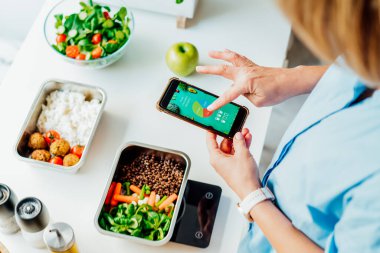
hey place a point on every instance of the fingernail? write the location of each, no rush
(238, 136)
(210, 108)
(198, 68)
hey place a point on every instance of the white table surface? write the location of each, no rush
(254, 28)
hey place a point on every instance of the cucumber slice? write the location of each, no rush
(73, 33)
(82, 15)
(108, 23)
(119, 35)
(61, 29)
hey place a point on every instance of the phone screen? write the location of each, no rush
(192, 103)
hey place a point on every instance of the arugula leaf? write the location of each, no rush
(133, 223)
(102, 223)
(154, 218)
(60, 47)
(120, 220)
(86, 8)
(136, 232)
(120, 15)
(94, 23)
(109, 219)
(87, 47)
(161, 234)
(166, 226)
(69, 22)
(151, 235)
(130, 211)
(59, 19)
(109, 34)
(111, 47)
(148, 225)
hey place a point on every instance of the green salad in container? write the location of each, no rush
(92, 33)
(137, 212)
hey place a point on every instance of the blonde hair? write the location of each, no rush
(348, 28)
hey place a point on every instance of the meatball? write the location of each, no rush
(70, 160)
(41, 155)
(37, 141)
(60, 147)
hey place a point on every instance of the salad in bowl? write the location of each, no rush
(94, 34)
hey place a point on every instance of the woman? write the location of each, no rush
(325, 175)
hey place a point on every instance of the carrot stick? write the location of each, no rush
(135, 189)
(110, 193)
(126, 199)
(168, 201)
(116, 192)
(152, 198)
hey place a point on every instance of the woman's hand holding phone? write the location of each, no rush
(233, 161)
(263, 86)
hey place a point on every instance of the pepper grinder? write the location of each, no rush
(3, 249)
(59, 238)
(32, 217)
(8, 201)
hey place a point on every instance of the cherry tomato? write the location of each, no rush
(106, 15)
(96, 39)
(226, 146)
(72, 51)
(81, 57)
(61, 38)
(51, 136)
(77, 150)
(97, 53)
(56, 160)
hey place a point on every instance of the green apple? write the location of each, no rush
(182, 58)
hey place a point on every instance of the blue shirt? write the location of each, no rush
(325, 173)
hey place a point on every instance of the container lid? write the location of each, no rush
(32, 215)
(59, 237)
(7, 202)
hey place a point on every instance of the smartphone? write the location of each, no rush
(189, 103)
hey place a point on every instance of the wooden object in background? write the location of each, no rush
(181, 22)
(183, 11)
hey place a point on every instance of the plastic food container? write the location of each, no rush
(125, 155)
(23, 151)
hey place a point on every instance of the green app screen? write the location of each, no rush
(190, 102)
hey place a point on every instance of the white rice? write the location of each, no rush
(70, 115)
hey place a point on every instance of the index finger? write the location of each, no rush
(227, 97)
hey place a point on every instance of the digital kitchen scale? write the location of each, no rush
(197, 214)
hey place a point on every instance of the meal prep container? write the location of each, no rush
(30, 125)
(125, 155)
